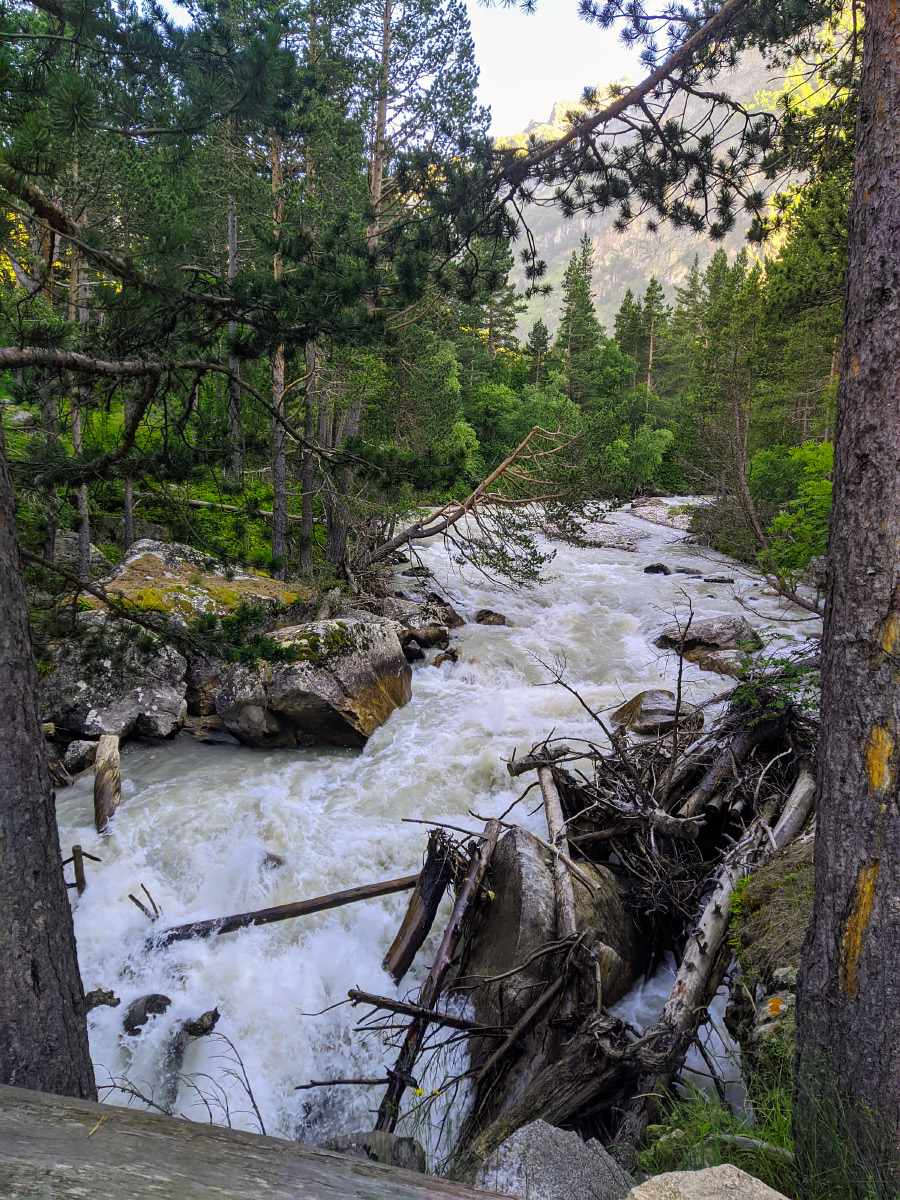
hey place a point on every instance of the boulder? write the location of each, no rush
(486, 616)
(412, 651)
(653, 712)
(712, 1183)
(346, 679)
(446, 656)
(79, 756)
(541, 1162)
(718, 579)
(688, 571)
(722, 662)
(139, 1012)
(377, 1145)
(711, 633)
(113, 679)
(519, 921)
(418, 572)
(657, 569)
(422, 621)
(184, 582)
(65, 554)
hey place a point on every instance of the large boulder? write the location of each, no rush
(653, 712)
(713, 643)
(65, 554)
(710, 633)
(712, 1183)
(541, 1162)
(184, 582)
(513, 930)
(422, 621)
(114, 678)
(341, 681)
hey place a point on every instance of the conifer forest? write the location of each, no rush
(348, 562)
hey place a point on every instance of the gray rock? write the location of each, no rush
(446, 656)
(687, 571)
(485, 616)
(657, 569)
(79, 756)
(102, 683)
(519, 921)
(711, 633)
(422, 621)
(540, 1162)
(712, 1183)
(350, 677)
(378, 1145)
(653, 712)
(65, 554)
(204, 678)
(15, 417)
(139, 1012)
(718, 579)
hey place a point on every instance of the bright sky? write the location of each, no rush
(528, 61)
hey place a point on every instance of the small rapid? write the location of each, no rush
(215, 829)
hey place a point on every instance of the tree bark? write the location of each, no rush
(43, 1028)
(234, 472)
(847, 1082)
(279, 437)
(308, 465)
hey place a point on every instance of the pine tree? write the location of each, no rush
(579, 336)
(537, 345)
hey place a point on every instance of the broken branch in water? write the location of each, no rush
(282, 912)
(405, 1009)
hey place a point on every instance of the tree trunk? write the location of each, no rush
(43, 1029)
(308, 466)
(234, 472)
(279, 437)
(847, 1085)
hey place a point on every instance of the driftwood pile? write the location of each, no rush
(667, 826)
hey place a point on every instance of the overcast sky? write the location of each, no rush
(528, 61)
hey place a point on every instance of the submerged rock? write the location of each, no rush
(113, 679)
(486, 616)
(653, 712)
(139, 1012)
(541, 1162)
(446, 656)
(377, 1145)
(657, 569)
(348, 678)
(712, 1183)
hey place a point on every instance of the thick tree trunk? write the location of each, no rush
(43, 1029)
(847, 1086)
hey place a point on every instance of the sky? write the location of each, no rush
(530, 60)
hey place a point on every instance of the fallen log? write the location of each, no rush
(531, 762)
(563, 888)
(434, 879)
(389, 1110)
(107, 781)
(733, 755)
(282, 912)
(405, 1009)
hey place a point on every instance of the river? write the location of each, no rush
(198, 821)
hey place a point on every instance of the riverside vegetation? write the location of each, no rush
(260, 342)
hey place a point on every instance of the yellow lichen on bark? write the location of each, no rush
(890, 632)
(856, 926)
(879, 751)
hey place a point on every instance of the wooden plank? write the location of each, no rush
(55, 1148)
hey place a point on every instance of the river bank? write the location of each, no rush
(210, 829)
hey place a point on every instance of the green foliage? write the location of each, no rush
(800, 530)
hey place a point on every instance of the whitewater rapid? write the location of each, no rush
(199, 823)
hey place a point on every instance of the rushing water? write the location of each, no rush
(198, 821)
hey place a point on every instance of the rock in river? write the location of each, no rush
(345, 680)
(711, 633)
(653, 712)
